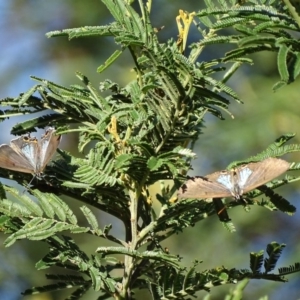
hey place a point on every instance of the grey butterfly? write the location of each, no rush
(28, 154)
(235, 182)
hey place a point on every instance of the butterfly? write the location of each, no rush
(235, 182)
(28, 154)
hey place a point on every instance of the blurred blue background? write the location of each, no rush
(262, 118)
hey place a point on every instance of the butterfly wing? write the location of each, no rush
(262, 172)
(27, 148)
(225, 178)
(47, 147)
(205, 187)
(14, 160)
(223, 184)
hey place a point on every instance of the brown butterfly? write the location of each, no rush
(28, 154)
(235, 182)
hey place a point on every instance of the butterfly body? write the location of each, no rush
(28, 154)
(235, 182)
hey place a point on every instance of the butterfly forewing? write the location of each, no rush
(225, 178)
(243, 174)
(47, 147)
(203, 187)
(9, 159)
(265, 171)
(27, 148)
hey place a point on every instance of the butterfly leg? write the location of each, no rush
(221, 210)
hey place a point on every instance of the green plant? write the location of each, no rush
(142, 132)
